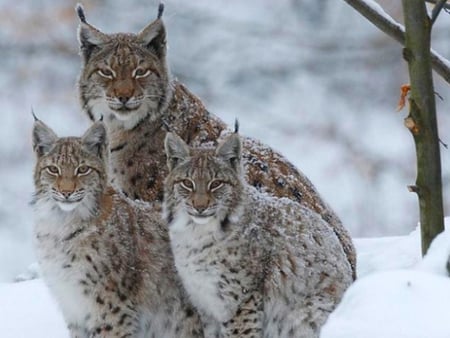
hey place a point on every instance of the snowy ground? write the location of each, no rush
(397, 295)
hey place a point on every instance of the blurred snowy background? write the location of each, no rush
(312, 78)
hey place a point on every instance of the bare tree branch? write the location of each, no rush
(422, 121)
(385, 23)
(437, 10)
(446, 5)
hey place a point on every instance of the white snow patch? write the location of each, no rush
(27, 310)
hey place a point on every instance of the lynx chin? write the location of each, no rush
(253, 265)
(125, 78)
(105, 258)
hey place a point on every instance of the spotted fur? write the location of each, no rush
(253, 265)
(105, 258)
(125, 78)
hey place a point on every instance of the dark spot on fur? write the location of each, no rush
(74, 234)
(135, 178)
(297, 194)
(122, 319)
(151, 183)
(121, 296)
(189, 312)
(224, 224)
(119, 147)
(160, 196)
(169, 217)
(140, 146)
(257, 184)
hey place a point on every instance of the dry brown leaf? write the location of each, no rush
(404, 90)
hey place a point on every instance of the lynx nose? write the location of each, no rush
(66, 194)
(124, 99)
(201, 209)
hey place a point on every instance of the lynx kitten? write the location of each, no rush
(125, 78)
(106, 259)
(252, 264)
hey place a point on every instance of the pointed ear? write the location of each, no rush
(176, 150)
(153, 37)
(95, 139)
(230, 150)
(44, 138)
(89, 37)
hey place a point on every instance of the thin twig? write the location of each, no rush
(446, 5)
(439, 96)
(396, 31)
(437, 9)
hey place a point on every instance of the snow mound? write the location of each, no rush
(398, 303)
(28, 310)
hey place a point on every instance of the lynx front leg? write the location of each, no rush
(116, 322)
(248, 320)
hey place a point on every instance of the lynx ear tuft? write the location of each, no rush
(34, 115)
(89, 37)
(230, 151)
(95, 139)
(176, 150)
(160, 10)
(44, 138)
(80, 11)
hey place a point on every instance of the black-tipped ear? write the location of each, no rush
(230, 150)
(34, 115)
(153, 37)
(89, 37)
(176, 150)
(44, 138)
(95, 139)
(160, 10)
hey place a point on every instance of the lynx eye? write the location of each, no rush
(109, 74)
(188, 184)
(214, 185)
(140, 73)
(52, 170)
(83, 170)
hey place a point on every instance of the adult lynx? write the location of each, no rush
(255, 265)
(105, 258)
(125, 78)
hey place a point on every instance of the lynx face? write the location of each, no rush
(204, 184)
(70, 172)
(124, 76)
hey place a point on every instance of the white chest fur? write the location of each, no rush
(54, 252)
(191, 245)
